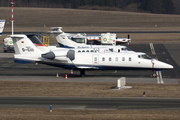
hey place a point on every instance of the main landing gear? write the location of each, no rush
(82, 73)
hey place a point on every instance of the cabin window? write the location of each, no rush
(123, 59)
(130, 59)
(103, 59)
(116, 58)
(87, 51)
(79, 51)
(110, 58)
(83, 51)
(92, 51)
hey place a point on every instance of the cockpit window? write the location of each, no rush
(123, 49)
(126, 49)
(144, 56)
(111, 49)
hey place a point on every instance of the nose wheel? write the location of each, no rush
(154, 75)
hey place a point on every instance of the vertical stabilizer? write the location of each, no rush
(62, 38)
(2, 23)
(23, 45)
(25, 50)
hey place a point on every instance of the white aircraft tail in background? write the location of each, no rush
(2, 22)
(25, 50)
(65, 42)
(62, 38)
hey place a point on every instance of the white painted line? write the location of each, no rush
(161, 79)
(152, 48)
(158, 81)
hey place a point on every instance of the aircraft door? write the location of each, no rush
(95, 59)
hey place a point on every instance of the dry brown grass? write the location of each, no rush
(28, 88)
(34, 19)
(38, 17)
(44, 114)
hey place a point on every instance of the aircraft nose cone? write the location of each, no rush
(169, 66)
(162, 65)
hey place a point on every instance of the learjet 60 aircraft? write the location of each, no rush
(2, 22)
(27, 52)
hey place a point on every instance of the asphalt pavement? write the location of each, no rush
(141, 103)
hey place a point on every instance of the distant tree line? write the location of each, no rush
(152, 6)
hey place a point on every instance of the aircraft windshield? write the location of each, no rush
(144, 56)
(78, 40)
(111, 49)
(126, 49)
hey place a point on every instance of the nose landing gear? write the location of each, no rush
(158, 75)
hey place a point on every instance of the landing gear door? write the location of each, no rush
(95, 59)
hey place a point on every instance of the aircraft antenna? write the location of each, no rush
(12, 3)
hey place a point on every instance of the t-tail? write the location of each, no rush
(2, 23)
(25, 50)
(62, 38)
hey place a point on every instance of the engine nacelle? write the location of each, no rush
(59, 53)
(49, 55)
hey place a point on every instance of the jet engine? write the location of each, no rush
(59, 54)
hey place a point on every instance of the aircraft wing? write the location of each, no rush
(87, 67)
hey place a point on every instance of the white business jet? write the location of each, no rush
(65, 42)
(2, 22)
(27, 52)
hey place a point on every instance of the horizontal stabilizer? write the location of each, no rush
(17, 36)
(55, 32)
(56, 29)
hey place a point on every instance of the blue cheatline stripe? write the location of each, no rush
(94, 67)
(0, 33)
(22, 61)
(64, 46)
(2, 20)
